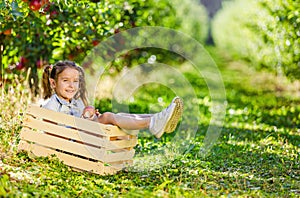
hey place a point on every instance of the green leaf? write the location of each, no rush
(57, 53)
(2, 5)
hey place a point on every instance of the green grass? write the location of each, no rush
(257, 154)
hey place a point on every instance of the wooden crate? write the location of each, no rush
(79, 143)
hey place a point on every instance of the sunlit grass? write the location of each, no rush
(256, 155)
(15, 96)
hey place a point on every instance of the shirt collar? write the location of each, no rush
(64, 102)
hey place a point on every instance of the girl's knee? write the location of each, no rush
(106, 118)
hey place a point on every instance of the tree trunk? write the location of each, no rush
(212, 7)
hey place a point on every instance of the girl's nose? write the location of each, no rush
(72, 84)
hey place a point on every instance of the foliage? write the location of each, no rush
(283, 34)
(37, 32)
(188, 17)
(257, 154)
(265, 33)
(228, 31)
(52, 31)
(192, 17)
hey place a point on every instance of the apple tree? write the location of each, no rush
(34, 33)
(38, 32)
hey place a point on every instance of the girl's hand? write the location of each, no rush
(97, 113)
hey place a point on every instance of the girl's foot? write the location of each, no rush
(166, 120)
(176, 115)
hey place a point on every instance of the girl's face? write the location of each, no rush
(67, 84)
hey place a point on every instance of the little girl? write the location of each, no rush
(64, 85)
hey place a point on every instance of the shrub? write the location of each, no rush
(266, 33)
(38, 32)
(282, 31)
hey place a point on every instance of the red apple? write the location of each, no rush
(53, 14)
(46, 8)
(23, 59)
(95, 42)
(71, 57)
(35, 5)
(89, 112)
(40, 63)
(7, 32)
(21, 64)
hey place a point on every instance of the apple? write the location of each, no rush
(95, 42)
(23, 59)
(21, 64)
(71, 57)
(7, 32)
(35, 5)
(46, 8)
(40, 63)
(53, 14)
(89, 112)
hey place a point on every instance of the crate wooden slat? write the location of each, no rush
(77, 135)
(71, 121)
(68, 145)
(79, 143)
(73, 161)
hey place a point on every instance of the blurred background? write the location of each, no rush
(34, 33)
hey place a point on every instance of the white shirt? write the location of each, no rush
(75, 107)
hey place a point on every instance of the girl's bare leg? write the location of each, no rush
(164, 121)
(136, 115)
(133, 122)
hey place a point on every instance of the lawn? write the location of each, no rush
(256, 155)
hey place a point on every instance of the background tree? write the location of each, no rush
(39, 32)
(212, 7)
(265, 33)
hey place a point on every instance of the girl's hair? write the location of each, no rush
(52, 71)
